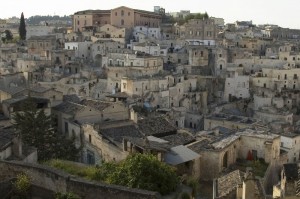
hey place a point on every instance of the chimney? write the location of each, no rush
(216, 132)
(133, 116)
(17, 146)
(124, 145)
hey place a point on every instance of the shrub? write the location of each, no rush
(22, 184)
(185, 195)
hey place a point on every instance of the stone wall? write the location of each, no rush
(58, 181)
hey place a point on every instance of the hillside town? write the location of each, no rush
(217, 102)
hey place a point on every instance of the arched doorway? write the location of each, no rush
(225, 160)
(71, 91)
(98, 60)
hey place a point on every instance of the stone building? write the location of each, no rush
(40, 47)
(219, 149)
(288, 186)
(12, 148)
(238, 185)
(236, 87)
(198, 31)
(123, 17)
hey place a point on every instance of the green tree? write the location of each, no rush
(142, 171)
(67, 195)
(36, 129)
(8, 35)
(22, 28)
(197, 16)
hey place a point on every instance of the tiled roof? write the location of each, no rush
(229, 182)
(12, 90)
(157, 126)
(116, 134)
(39, 89)
(72, 98)
(68, 108)
(179, 139)
(98, 105)
(22, 98)
(43, 37)
(147, 144)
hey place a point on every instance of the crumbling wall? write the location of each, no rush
(58, 181)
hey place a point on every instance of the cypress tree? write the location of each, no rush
(22, 28)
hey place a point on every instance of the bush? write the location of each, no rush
(141, 171)
(185, 195)
(87, 172)
(22, 184)
(144, 171)
(67, 195)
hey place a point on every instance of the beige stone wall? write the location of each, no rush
(41, 48)
(269, 151)
(116, 112)
(88, 114)
(59, 181)
(4, 96)
(82, 20)
(211, 162)
(106, 150)
(101, 19)
(122, 17)
(146, 19)
(212, 123)
(198, 56)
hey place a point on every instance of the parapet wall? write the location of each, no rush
(58, 181)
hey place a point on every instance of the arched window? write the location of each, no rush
(122, 12)
(122, 22)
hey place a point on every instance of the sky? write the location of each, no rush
(285, 13)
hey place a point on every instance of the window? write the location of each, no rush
(66, 127)
(128, 13)
(116, 74)
(90, 139)
(124, 85)
(90, 156)
(116, 14)
(122, 22)
(201, 53)
(122, 12)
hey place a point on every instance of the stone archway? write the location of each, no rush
(225, 160)
(71, 91)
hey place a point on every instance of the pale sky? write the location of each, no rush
(285, 13)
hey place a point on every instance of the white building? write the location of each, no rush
(290, 143)
(236, 86)
(151, 33)
(82, 49)
(149, 48)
